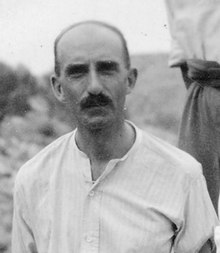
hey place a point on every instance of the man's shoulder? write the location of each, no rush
(170, 157)
(41, 165)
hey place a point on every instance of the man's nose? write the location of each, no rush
(94, 84)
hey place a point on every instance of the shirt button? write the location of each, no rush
(88, 239)
(91, 194)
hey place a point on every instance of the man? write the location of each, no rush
(195, 31)
(107, 187)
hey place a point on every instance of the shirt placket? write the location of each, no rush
(92, 210)
(91, 216)
(91, 222)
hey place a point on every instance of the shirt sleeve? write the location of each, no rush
(199, 220)
(195, 30)
(177, 55)
(22, 236)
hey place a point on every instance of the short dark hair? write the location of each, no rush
(103, 24)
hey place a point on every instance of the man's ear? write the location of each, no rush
(57, 88)
(132, 77)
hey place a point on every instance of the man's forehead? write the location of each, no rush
(89, 35)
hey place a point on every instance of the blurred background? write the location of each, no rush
(31, 118)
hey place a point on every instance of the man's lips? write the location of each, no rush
(94, 104)
(94, 101)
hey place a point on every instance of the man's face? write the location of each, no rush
(93, 79)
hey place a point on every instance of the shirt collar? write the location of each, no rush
(138, 137)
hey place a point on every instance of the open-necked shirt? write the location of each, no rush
(151, 200)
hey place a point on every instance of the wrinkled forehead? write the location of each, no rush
(90, 41)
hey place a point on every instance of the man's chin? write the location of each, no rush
(96, 123)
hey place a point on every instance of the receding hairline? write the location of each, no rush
(96, 23)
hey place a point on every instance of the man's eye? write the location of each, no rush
(107, 68)
(77, 71)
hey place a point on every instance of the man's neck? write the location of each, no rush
(105, 144)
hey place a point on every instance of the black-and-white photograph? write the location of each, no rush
(109, 126)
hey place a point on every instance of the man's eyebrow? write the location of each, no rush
(107, 65)
(76, 68)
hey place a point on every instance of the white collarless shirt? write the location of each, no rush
(151, 200)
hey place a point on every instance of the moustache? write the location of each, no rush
(95, 100)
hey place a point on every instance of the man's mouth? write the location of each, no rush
(96, 104)
(95, 101)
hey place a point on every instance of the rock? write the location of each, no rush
(5, 170)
